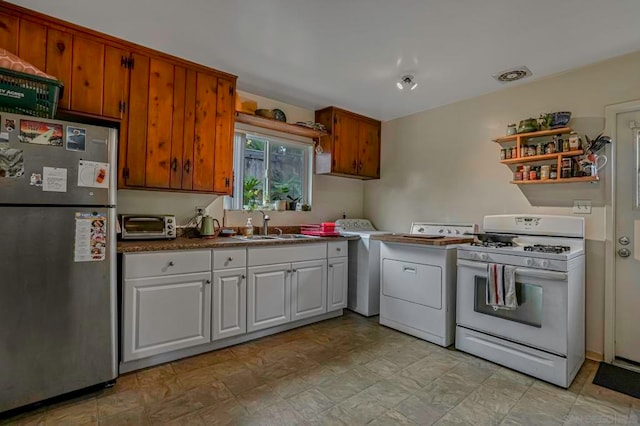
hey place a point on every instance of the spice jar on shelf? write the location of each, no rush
(514, 152)
(503, 154)
(525, 172)
(545, 172)
(574, 141)
(507, 153)
(553, 172)
(550, 148)
(539, 149)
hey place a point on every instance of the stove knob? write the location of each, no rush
(441, 231)
(545, 263)
(457, 232)
(421, 230)
(448, 231)
(484, 256)
(529, 262)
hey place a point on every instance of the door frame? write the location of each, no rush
(611, 123)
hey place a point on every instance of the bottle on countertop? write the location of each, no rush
(248, 229)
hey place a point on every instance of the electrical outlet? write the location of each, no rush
(201, 210)
(582, 206)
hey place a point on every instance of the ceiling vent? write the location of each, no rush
(512, 74)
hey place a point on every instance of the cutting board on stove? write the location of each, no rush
(431, 240)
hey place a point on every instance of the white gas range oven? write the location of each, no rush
(545, 335)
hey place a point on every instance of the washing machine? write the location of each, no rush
(364, 266)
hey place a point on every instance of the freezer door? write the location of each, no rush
(36, 143)
(57, 316)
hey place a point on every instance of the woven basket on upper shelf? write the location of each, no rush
(23, 93)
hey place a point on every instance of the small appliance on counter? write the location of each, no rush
(147, 227)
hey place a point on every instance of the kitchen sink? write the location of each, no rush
(257, 238)
(294, 236)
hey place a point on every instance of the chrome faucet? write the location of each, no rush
(265, 223)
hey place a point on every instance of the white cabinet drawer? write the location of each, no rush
(142, 265)
(270, 255)
(337, 248)
(229, 258)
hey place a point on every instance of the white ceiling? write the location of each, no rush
(349, 53)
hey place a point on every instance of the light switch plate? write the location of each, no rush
(581, 206)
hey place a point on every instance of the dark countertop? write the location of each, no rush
(183, 243)
(416, 239)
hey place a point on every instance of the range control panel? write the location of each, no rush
(449, 229)
(355, 225)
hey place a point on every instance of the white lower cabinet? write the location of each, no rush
(308, 289)
(337, 283)
(166, 313)
(268, 296)
(229, 313)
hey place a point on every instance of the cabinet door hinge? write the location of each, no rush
(226, 182)
(125, 173)
(122, 106)
(124, 62)
(132, 63)
(230, 91)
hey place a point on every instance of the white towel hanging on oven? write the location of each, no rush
(501, 286)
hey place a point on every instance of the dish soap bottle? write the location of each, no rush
(248, 229)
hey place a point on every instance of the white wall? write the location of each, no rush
(331, 195)
(442, 165)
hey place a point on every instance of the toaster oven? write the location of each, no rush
(147, 227)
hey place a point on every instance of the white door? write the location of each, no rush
(337, 283)
(162, 314)
(268, 296)
(627, 237)
(229, 311)
(308, 289)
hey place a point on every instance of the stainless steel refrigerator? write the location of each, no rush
(57, 258)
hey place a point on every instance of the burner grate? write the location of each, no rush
(541, 248)
(493, 244)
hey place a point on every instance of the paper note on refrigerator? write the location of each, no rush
(91, 237)
(93, 174)
(54, 179)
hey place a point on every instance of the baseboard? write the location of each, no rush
(594, 356)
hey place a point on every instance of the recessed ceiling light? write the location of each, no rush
(512, 74)
(406, 81)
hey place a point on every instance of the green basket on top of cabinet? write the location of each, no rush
(29, 94)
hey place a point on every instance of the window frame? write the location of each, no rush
(240, 135)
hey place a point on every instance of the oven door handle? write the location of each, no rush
(523, 272)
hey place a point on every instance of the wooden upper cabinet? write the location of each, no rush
(59, 62)
(32, 43)
(133, 171)
(369, 149)
(9, 26)
(204, 132)
(225, 111)
(87, 75)
(352, 145)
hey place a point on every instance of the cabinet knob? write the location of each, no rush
(208, 282)
(330, 266)
(229, 259)
(171, 263)
(338, 249)
(174, 164)
(294, 270)
(242, 277)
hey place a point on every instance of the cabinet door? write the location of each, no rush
(87, 76)
(268, 296)
(225, 117)
(308, 289)
(369, 149)
(345, 144)
(9, 32)
(59, 61)
(189, 129)
(159, 124)
(337, 280)
(32, 43)
(136, 146)
(204, 132)
(229, 312)
(116, 76)
(163, 314)
(177, 128)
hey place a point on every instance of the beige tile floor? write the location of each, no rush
(348, 370)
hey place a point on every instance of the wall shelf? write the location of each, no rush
(545, 157)
(531, 135)
(279, 126)
(560, 180)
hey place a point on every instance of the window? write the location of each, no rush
(269, 169)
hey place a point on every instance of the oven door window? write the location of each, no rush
(144, 225)
(529, 309)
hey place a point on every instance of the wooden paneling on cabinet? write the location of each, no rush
(352, 147)
(177, 117)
